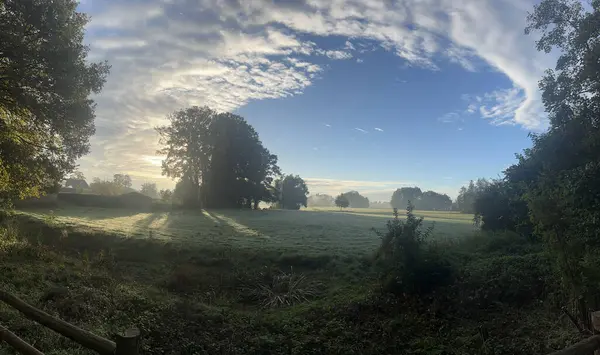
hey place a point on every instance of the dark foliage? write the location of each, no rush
(129, 200)
(356, 200)
(408, 263)
(501, 206)
(291, 192)
(46, 80)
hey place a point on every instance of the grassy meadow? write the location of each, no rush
(269, 282)
(309, 231)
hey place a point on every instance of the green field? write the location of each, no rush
(310, 231)
(202, 278)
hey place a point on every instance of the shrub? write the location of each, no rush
(510, 279)
(275, 288)
(408, 264)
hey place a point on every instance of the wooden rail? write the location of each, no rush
(127, 343)
(584, 347)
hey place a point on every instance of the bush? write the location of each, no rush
(408, 264)
(510, 279)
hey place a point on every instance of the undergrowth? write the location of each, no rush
(233, 301)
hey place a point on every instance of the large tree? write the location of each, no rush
(122, 180)
(293, 192)
(402, 196)
(218, 158)
(433, 201)
(342, 201)
(46, 114)
(356, 200)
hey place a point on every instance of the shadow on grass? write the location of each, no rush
(77, 241)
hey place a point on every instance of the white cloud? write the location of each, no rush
(335, 54)
(166, 55)
(361, 130)
(378, 129)
(326, 125)
(500, 106)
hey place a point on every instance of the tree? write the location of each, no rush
(149, 189)
(401, 197)
(342, 201)
(219, 157)
(433, 201)
(293, 192)
(465, 201)
(560, 174)
(500, 206)
(105, 187)
(356, 200)
(46, 115)
(122, 180)
(76, 175)
(166, 195)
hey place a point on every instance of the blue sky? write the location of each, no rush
(364, 95)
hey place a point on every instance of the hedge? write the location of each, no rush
(129, 200)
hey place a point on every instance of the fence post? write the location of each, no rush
(128, 343)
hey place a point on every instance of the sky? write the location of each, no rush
(367, 95)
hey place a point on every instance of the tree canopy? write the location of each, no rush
(292, 191)
(433, 201)
(402, 196)
(467, 195)
(356, 200)
(342, 201)
(218, 158)
(46, 114)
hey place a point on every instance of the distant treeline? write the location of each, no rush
(428, 200)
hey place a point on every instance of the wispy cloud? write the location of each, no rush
(361, 130)
(171, 54)
(450, 117)
(326, 125)
(335, 54)
(378, 129)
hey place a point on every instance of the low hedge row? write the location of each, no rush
(129, 200)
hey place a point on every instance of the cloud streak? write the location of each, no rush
(171, 54)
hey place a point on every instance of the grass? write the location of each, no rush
(264, 282)
(308, 232)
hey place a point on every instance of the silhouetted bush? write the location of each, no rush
(408, 264)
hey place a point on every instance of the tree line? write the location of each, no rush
(428, 200)
(552, 193)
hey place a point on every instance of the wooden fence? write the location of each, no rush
(589, 346)
(127, 343)
(589, 324)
